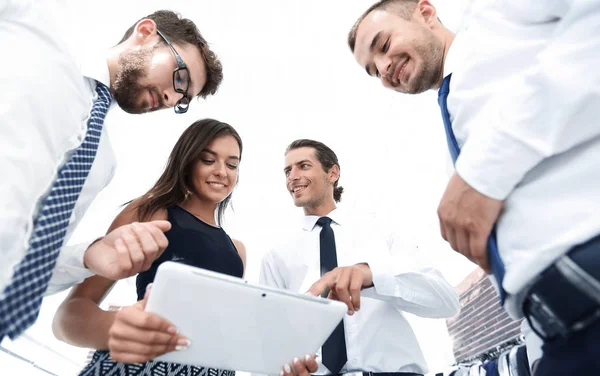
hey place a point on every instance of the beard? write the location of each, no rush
(127, 88)
(429, 72)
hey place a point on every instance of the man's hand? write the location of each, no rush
(301, 367)
(345, 284)
(127, 250)
(466, 220)
(137, 336)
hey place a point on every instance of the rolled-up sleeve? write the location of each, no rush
(556, 109)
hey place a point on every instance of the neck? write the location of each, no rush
(447, 37)
(205, 211)
(321, 210)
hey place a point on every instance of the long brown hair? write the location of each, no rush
(175, 182)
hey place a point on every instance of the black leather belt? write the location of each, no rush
(565, 298)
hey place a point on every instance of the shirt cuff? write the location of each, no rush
(384, 282)
(69, 269)
(493, 162)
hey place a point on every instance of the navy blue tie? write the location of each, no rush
(22, 297)
(495, 261)
(334, 349)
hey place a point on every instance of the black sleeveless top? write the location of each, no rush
(196, 243)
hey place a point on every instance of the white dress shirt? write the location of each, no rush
(525, 107)
(46, 102)
(378, 337)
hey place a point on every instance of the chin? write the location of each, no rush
(218, 200)
(211, 197)
(135, 110)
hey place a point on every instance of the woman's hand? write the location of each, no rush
(137, 336)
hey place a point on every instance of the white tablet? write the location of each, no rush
(234, 325)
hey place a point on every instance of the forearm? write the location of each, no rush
(424, 293)
(80, 322)
(70, 269)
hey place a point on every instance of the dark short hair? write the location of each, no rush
(404, 8)
(326, 157)
(183, 30)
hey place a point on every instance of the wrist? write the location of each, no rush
(368, 274)
(85, 254)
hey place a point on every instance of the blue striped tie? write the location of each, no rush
(21, 299)
(493, 254)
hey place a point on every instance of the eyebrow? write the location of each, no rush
(191, 85)
(372, 47)
(215, 154)
(288, 167)
(191, 96)
(374, 41)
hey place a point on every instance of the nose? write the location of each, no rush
(293, 175)
(170, 97)
(383, 65)
(220, 169)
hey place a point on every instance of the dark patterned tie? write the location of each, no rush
(22, 297)
(495, 261)
(334, 349)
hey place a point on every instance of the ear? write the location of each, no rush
(427, 12)
(334, 174)
(145, 32)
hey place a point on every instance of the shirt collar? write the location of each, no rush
(309, 221)
(455, 55)
(94, 65)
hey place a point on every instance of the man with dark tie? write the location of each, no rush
(518, 92)
(56, 155)
(350, 259)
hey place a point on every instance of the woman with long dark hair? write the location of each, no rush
(192, 193)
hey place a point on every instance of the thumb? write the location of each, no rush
(142, 303)
(317, 288)
(162, 225)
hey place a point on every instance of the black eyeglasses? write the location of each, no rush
(181, 79)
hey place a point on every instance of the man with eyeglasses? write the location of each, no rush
(56, 155)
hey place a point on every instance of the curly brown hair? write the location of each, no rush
(183, 30)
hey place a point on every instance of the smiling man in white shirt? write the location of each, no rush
(161, 62)
(520, 102)
(375, 336)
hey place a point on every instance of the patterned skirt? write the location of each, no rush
(103, 365)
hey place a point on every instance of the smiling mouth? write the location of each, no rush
(217, 185)
(152, 103)
(298, 189)
(400, 71)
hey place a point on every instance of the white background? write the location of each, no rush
(288, 74)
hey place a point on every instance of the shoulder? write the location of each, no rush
(241, 248)
(130, 214)
(288, 240)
